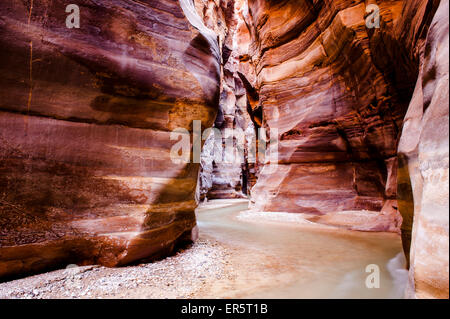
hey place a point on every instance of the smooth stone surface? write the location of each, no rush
(85, 121)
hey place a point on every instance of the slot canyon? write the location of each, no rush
(360, 116)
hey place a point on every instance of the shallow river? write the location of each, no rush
(294, 261)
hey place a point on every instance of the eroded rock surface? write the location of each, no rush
(424, 167)
(86, 114)
(337, 91)
(226, 169)
(85, 121)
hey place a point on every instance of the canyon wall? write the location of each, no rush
(424, 166)
(337, 90)
(85, 121)
(86, 116)
(225, 173)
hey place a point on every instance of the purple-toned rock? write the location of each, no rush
(85, 122)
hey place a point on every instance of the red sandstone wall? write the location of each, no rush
(85, 121)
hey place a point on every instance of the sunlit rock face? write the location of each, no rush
(225, 172)
(85, 121)
(337, 91)
(423, 171)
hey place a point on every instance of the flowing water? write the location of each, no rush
(283, 260)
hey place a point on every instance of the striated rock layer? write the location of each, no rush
(85, 121)
(337, 91)
(337, 94)
(424, 167)
(225, 173)
(86, 115)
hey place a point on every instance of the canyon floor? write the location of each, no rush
(240, 254)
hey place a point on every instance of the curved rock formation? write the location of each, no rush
(361, 111)
(85, 121)
(338, 90)
(338, 113)
(224, 174)
(424, 167)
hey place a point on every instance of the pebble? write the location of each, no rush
(174, 277)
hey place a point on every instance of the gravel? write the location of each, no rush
(180, 276)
